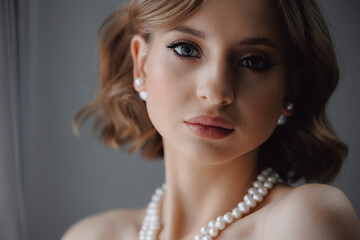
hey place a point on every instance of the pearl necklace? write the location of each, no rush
(152, 221)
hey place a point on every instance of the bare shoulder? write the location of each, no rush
(313, 211)
(110, 225)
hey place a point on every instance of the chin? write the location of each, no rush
(208, 153)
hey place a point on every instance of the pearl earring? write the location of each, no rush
(282, 119)
(139, 82)
(290, 106)
(143, 95)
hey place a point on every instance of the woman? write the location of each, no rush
(228, 92)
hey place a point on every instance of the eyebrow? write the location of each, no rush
(191, 31)
(259, 41)
(247, 42)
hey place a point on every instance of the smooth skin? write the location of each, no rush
(228, 60)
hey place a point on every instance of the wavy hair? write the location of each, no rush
(305, 147)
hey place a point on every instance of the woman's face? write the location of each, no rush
(226, 61)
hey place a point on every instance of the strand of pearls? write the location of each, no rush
(152, 221)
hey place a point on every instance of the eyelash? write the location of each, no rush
(255, 60)
(181, 43)
(264, 63)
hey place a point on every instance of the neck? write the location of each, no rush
(198, 192)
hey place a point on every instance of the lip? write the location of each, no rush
(209, 127)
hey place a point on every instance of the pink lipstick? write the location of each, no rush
(209, 127)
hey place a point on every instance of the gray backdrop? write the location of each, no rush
(68, 178)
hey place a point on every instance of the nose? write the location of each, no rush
(215, 85)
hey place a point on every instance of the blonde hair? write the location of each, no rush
(305, 147)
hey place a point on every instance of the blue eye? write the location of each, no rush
(255, 63)
(184, 49)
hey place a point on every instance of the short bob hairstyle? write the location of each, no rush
(305, 147)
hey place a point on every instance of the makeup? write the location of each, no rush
(209, 127)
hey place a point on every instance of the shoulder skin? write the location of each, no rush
(313, 211)
(111, 225)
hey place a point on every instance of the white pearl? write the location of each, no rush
(143, 95)
(211, 224)
(139, 82)
(204, 230)
(252, 191)
(154, 226)
(236, 213)
(247, 197)
(220, 224)
(251, 202)
(151, 218)
(263, 191)
(151, 211)
(257, 184)
(150, 232)
(228, 218)
(243, 207)
(290, 106)
(266, 171)
(219, 218)
(213, 232)
(155, 198)
(159, 192)
(198, 237)
(268, 185)
(261, 177)
(257, 197)
(271, 179)
(207, 238)
(282, 120)
(154, 205)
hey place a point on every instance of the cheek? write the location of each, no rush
(266, 95)
(262, 106)
(165, 88)
(267, 105)
(163, 75)
(158, 92)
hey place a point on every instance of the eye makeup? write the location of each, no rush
(255, 62)
(184, 49)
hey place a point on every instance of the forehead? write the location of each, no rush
(238, 19)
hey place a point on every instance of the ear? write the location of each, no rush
(293, 87)
(139, 49)
(290, 93)
(285, 110)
